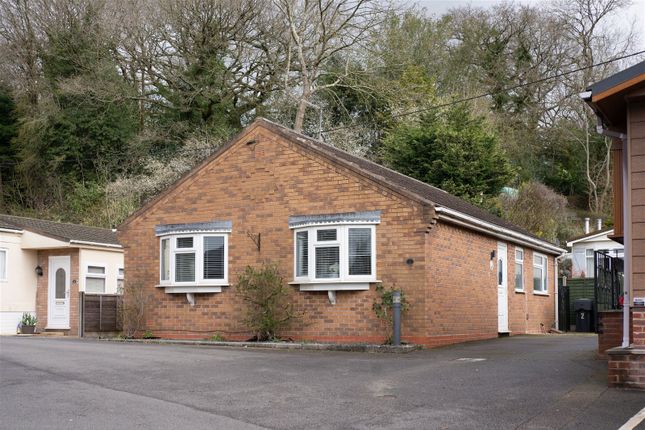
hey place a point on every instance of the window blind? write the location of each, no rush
(360, 251)
(213, 257)
(326, 235)
(185, 267)
(327, 262)
(302, 253)
(184, 242)
(94, 285)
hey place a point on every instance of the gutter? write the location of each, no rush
(8, 230)
(456, 217)
(106, 245)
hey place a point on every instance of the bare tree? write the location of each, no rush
(591, 37)
(315, 32)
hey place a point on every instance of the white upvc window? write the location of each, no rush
(4, 259)
(95, 279)
(194, 259)
(590, 273)
(120, 280)
(335, 254)
(519, 269)
(539, 274)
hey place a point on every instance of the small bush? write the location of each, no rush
(266, 295)
(217, 337)
(148, 335)
(132, 308)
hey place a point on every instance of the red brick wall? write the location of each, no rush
(451, 290)
(626, 369)
(529, 312)
(610, 330)
(42, 288)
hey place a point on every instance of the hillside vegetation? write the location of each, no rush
(105, 103)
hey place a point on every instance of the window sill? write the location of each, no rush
(520, 292)
(183, 289)
(334, 285)
(537, 293)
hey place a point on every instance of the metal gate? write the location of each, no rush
(608, 284)
(563, 305)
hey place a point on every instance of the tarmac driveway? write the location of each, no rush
(527, 382)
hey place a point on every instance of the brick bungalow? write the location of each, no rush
(336, 225)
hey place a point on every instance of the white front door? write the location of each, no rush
(502, 289)
(58, 292)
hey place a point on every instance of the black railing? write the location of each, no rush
(608, 285)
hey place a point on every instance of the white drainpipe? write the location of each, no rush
(627, 231)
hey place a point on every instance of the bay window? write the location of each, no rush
(196, 259)
(193, 257)
(335, 257)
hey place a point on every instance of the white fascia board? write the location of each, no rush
(456, 217)
(591, 237)
(9, 230)
(105, 245)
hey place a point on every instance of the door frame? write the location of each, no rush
(65, 261)
(502, 299)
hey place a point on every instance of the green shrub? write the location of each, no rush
(217, 337)
(148, 335)
(266, 295)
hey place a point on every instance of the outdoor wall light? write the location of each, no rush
(492, 255)
(39, 271)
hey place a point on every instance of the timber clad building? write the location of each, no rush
(337, 225)
(619, 103)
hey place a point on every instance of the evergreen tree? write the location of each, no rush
(452, 150)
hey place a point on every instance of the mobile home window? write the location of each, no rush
(3, 264)
(95, 279)
(590, 264)
(539, 273)
(120, 280)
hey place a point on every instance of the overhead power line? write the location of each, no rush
(511, 88)
(8, 163)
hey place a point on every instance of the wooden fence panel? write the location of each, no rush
(100, 312)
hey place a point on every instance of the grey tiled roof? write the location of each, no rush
(398, 180)
(617, 78)
(59, 230)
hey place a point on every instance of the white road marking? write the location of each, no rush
(634, 421)
(471, 360)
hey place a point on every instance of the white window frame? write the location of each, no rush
(119, 277)
(198, 250)
(5, 251)
(519, 261)
(342, 241)
(545, 271)
(590, 274)
(95, 276)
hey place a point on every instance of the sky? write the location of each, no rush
(439, 7)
